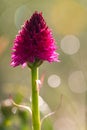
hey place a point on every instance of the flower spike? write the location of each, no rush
(34, 43)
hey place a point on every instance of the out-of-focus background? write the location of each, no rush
(64, 88)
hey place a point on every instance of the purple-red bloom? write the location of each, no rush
(34, 41)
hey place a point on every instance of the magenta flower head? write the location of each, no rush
(34, 43)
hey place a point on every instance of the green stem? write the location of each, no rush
(35, 102)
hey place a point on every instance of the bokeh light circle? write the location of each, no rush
(77, 82)
(65, 123)
(21, 14)
(70, 44)
(54, 81)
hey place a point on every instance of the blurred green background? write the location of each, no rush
(65, 83)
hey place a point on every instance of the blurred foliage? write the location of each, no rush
(14, 118)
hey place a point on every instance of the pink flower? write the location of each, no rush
(34, 42)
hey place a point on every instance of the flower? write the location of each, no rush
(34, 42)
